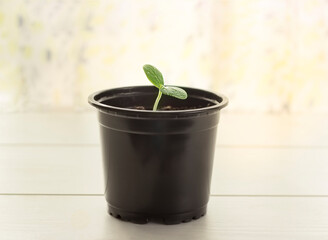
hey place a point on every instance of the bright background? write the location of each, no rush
(265, 55)
(270, 57)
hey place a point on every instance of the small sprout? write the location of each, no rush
(156, 78)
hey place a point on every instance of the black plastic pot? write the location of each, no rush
(157, 165)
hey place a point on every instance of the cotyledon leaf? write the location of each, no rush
(174, 92)
(154, 75)
(156, 78)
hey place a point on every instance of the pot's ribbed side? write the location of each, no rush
(158, 126)
(154, 169)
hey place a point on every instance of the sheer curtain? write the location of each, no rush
(272, 55)
(266, 56)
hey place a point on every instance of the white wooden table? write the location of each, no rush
(270, 180)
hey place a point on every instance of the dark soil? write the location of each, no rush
(168, 108)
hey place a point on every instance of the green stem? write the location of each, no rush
(157, 100)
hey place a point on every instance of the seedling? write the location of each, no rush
(156, 78)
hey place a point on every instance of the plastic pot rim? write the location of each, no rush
(218, 100)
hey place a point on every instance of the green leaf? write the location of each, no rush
(174, 92)
(154, 75)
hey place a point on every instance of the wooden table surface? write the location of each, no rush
(270, 180)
